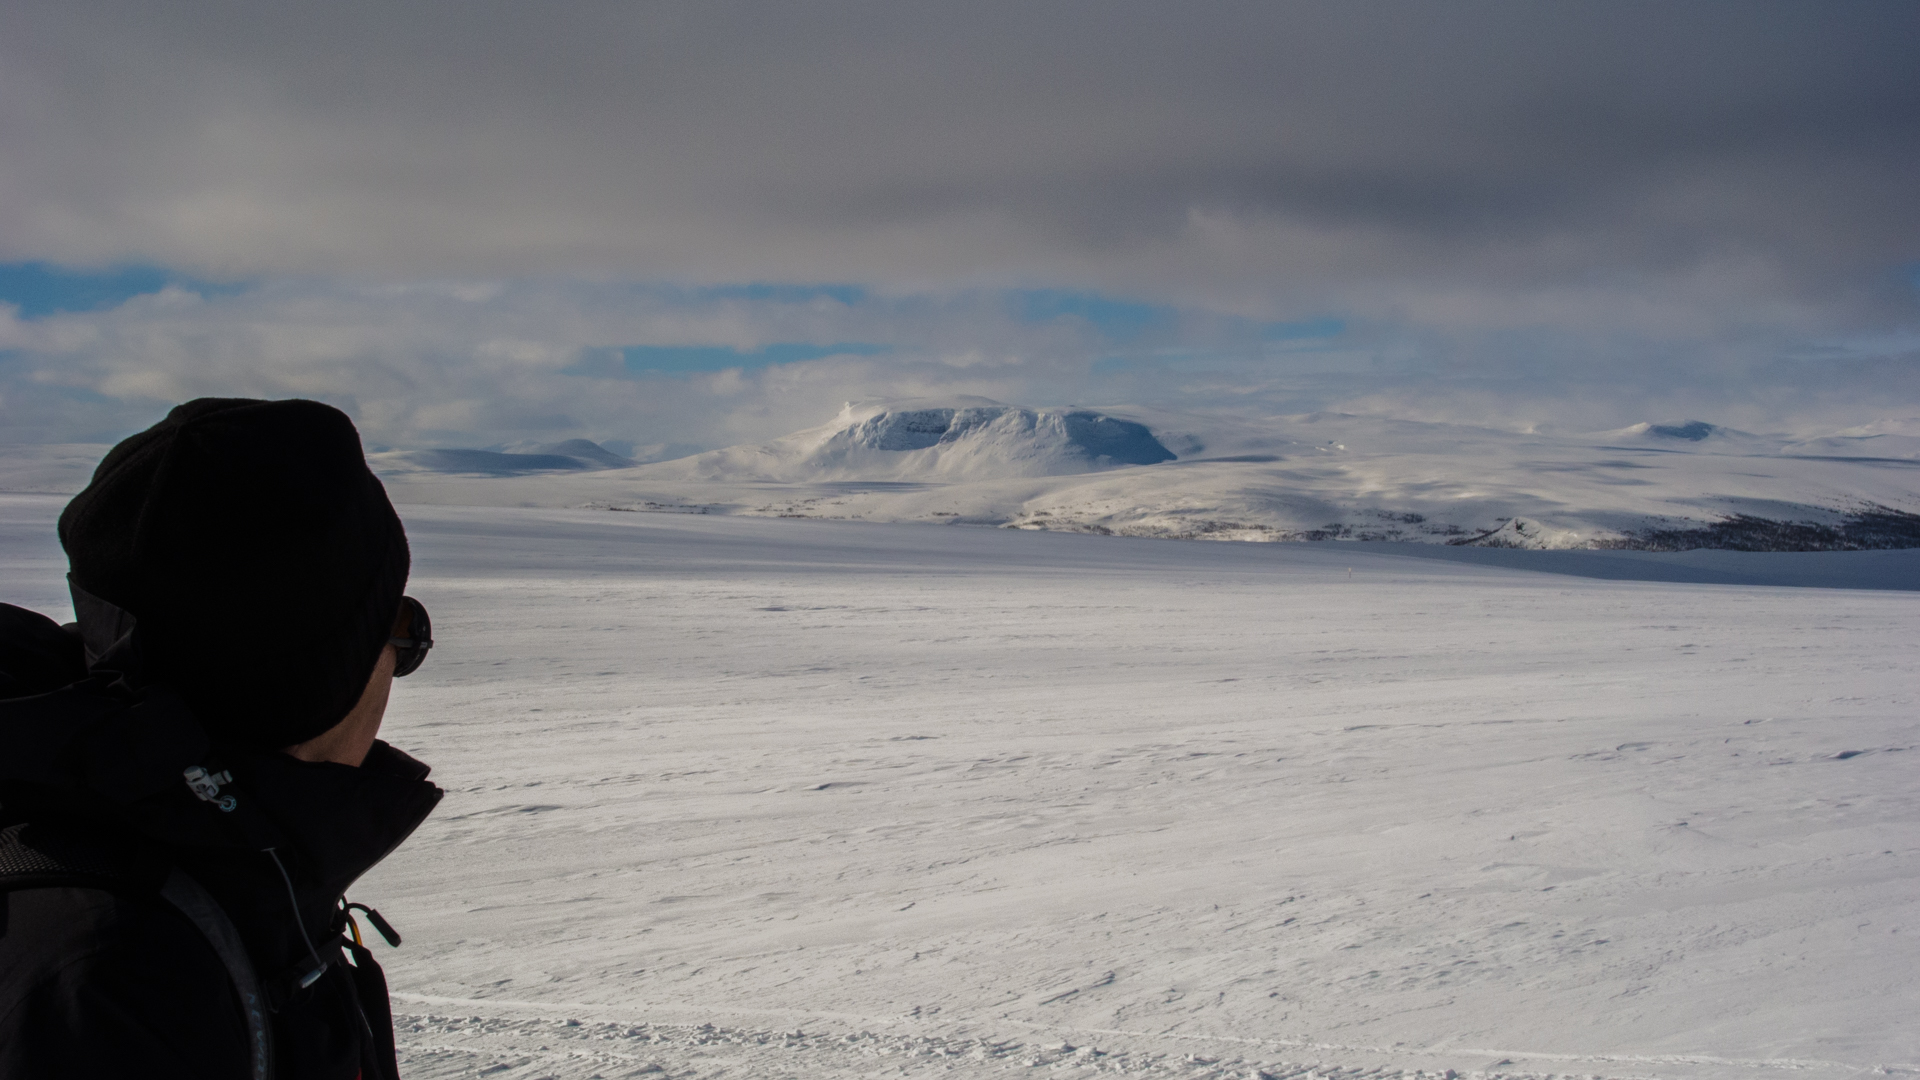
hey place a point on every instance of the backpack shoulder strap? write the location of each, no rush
(205, 912)
(24, 866)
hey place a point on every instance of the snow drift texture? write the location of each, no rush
(751, 798)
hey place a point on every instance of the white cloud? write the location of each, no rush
(1561, 211)
(452, 364)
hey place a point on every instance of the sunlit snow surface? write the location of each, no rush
(759, 798)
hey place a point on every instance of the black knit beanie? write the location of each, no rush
(259, 554)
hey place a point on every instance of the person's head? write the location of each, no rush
(261, 558)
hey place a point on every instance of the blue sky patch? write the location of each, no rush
(1246, 346)
(41, 289)
(1119, 320)
(44, 289)
(1307, 329)
(1132, 322)
(784, 294)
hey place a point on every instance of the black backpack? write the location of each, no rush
(25, 865)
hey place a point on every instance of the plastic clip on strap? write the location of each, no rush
(206, 786)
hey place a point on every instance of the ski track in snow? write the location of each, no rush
(513, 1044)
(759, 798)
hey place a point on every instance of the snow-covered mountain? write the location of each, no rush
(966, 439)
(1322, 476)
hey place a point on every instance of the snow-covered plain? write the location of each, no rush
(755, 798)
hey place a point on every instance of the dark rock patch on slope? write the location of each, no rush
(1692, 430)
(1873, 529)
(1121, 441)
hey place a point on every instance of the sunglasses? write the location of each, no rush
(411, 651)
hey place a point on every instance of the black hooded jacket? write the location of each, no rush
(100, 975)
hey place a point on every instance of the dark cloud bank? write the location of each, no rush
(1625, 200)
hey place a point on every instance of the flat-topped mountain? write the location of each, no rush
(968, 439)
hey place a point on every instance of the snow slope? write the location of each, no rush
(762, 798)
(1311, 477)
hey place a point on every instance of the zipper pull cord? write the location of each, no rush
(319, 965)
(386, 929)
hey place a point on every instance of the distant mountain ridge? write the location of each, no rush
(1690, 430)
(1672, 484)
(1665, 485)
(573, 455)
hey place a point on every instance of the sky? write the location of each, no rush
(690, 225)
